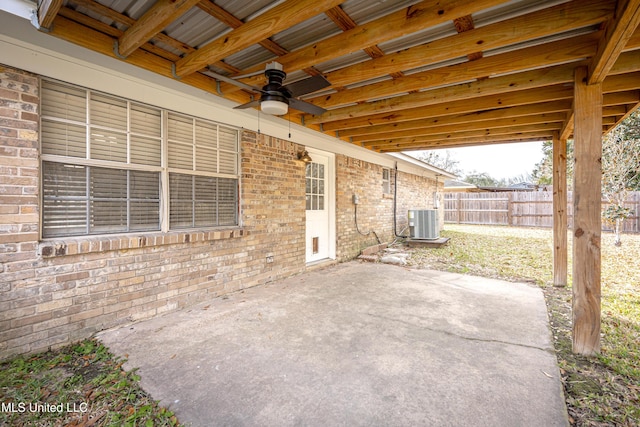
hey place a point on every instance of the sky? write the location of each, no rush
(499, 160)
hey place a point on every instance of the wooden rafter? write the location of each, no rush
(502, 86)
(161, 14)
(113, 31)
(391, 26)
(546, 129)
(128, 22)
(545, 22)
(344, 21)
(619, 30)
(468, 126)
(467, 142)
(47, 11)
(227, 18)
(262, 27)
(81, 35)
(509, 113)
(463, 24)
(549, 54)
(491, 75)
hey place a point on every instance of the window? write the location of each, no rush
(386, 181)
(315, 186)
(106, 160)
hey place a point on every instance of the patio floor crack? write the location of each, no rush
(550, 350)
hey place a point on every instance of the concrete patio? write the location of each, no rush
(355, 344)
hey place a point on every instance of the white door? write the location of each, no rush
(319, 194)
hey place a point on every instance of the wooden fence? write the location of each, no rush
(521, 209)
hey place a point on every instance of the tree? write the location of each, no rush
(620, 171)
(543, 171)
(442, 159)
(481, 179)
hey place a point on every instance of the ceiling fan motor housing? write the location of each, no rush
(273, 91)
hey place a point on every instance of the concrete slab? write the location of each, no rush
(355, 344)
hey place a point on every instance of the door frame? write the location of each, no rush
(330, 200)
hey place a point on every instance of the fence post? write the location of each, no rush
(509, 207)
(458, 195)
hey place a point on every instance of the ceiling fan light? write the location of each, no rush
(276, 108)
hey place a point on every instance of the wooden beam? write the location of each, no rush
(281, 17)
(543, 78)
(618, 32)
(586, 215)
(123, 19)
(504, 86)
(553, 20)
(346, 23)
(567, 127)
(622, 97)
(113, 31)
(486, 103)
(392, 26)
(73, 32)
(621, 82)
(548, 54)
(47, 11)
(463, 24)
(546, 130)
(473, 126)
(111, 14)
(559, 211)
(429, 120)
(156, 19)
(230, 20)
(468, 142)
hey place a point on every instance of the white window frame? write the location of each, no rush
(386, 182)
(163, 169)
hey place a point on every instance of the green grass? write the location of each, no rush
(599, 391)
(603, 390)
(78, 385)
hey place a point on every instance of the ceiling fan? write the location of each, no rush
(276, 98)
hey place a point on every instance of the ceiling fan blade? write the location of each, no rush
(234, 82)
(305, 106)
(302, 87)
(247, 105)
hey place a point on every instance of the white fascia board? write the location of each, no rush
(26, 48)
(22, 8)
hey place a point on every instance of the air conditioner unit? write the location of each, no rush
(423, 224)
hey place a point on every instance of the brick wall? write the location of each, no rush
(56, 292)
(415, 192)
(375, 209)
(18, 198)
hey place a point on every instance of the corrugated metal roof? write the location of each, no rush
(353, 108)
(196, 28)
(363, 11)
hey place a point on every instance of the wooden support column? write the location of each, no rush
(559, 211)
(586, 214)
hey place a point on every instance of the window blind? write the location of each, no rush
(103, 169)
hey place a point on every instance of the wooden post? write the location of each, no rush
(458, 203)
(559, 211)
(509, 209)
(586, 214)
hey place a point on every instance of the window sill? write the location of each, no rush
(92, 244)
